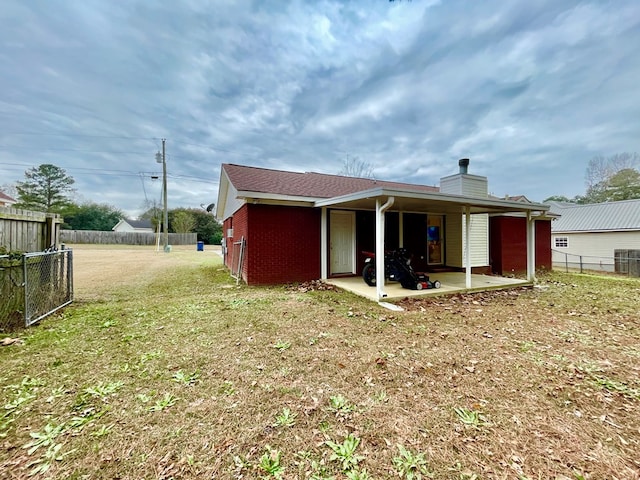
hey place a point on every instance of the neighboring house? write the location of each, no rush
(126, 225)
(6, 200)
(589, 235)
(304, 226)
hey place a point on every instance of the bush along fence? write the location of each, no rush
(124, 238)
(34, 285)
(624, 262)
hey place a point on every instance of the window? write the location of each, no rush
(562, 242)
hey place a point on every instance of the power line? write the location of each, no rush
(33, 147)
(124, 173)
(121, 137)
(79, 135)
(74, 168)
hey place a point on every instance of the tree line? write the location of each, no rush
(608, 179)
(48, 188)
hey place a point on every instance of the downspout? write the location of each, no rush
(380, 209)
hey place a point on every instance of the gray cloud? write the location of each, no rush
(529, 91)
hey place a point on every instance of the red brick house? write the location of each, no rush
(295, 227)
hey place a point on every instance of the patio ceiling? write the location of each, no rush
(411, 201)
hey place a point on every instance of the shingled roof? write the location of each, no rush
(7, 198)
(307, 184)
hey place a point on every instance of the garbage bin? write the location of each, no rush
(200, 246)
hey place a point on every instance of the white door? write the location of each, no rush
(342, 226)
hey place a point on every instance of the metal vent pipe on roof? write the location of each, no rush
(463, 163)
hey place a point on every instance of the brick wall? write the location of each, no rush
(508, 244)
(543, 244)
(240, 228)
(283, 244)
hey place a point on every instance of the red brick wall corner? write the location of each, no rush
(283, 244)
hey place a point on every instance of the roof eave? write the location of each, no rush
(599, 230)
(223, 188)
(490, 205)
(248, 195)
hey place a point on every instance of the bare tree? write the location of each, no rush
(601, 169)
(612, 178)
(354, 167)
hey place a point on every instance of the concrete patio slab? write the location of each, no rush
(452, 282)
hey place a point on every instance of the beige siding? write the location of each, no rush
(232, 203)
(596, 249)
(451, 185)
(453, 240)
(469, 185)
(455, 231)
(479, 239)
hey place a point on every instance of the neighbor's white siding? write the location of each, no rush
(596, 249)
(123, 227)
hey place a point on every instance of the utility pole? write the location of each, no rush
(163, 159)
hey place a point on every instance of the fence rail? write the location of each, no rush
(124, 238)
(27, 231)
(34, 285)
(624, 262)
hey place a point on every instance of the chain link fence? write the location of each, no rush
(34, 285)
(624, 262)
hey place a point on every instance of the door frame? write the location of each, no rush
(442, 239)
(352, 216)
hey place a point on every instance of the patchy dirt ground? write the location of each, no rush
(457, 302)
(97, 269)
(161, 371)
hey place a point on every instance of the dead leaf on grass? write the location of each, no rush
(11, 341)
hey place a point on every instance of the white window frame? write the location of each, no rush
(561, 242)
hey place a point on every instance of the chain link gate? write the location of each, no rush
(48, 283)
(34, 285)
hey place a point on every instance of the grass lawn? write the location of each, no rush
(182, 374)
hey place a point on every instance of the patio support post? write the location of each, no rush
(467, 246)
(400, 229)
(531, 248)
(380, 209)
(323, 244)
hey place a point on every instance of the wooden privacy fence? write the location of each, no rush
(628, 261)
(27, 231)
(124, 238)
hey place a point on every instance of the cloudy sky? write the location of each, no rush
(529, 91)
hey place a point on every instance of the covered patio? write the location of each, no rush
(452, 282)
(382, 200)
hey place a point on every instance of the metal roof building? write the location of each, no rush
(596, 217)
